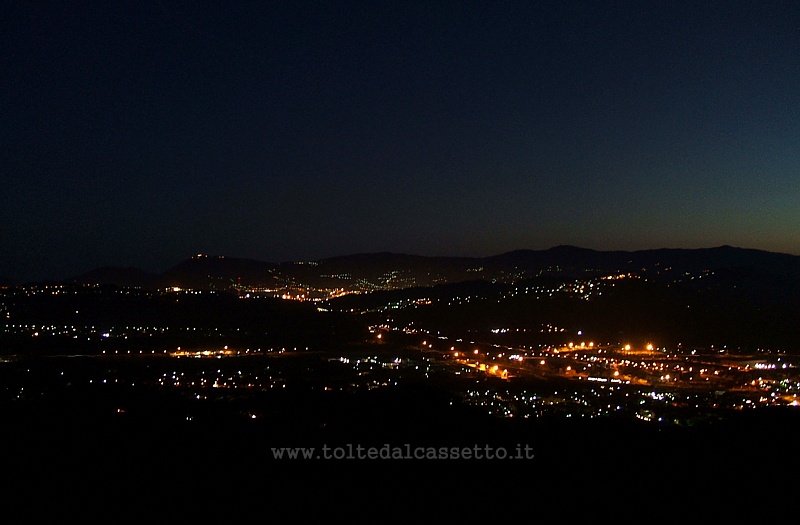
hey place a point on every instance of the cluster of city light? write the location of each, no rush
(106, 332)
(206, 379)
(225, 351)
(585, 402)
(633, 367)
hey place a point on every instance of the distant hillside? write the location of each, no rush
(219, 272)
(5, 281)
(719, 258)
(386, 271)
(128, 277)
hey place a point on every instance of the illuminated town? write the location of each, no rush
(200, 350)
(236, 234)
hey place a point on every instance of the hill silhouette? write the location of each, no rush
(387, 270)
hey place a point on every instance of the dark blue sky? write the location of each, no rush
(137, 133)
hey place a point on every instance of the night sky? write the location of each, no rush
(138, 133)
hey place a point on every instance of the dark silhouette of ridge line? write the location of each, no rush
(222, 272)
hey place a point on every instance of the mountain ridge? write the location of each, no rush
(397, 270)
